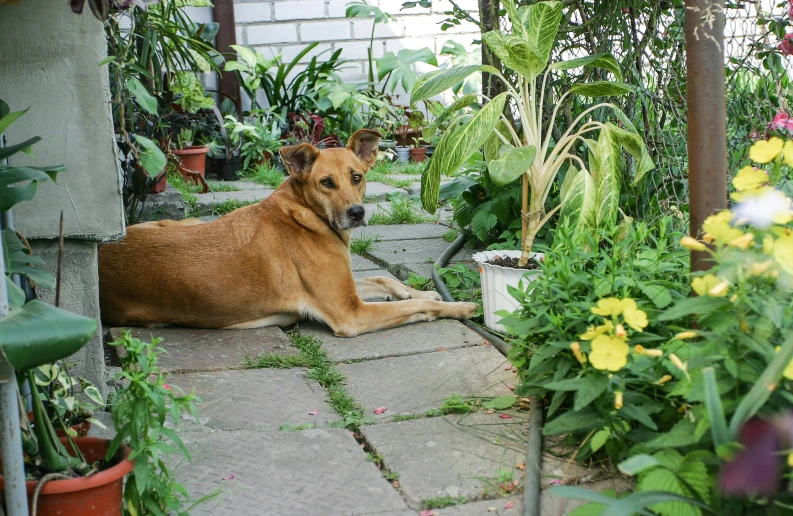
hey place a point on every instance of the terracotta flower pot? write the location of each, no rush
(100, 494)
(162, 182)
(418, 154)
(193, 158)
(266, 158)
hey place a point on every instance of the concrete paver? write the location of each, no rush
(414, 384)
(416, 252)
(452, 455)
(256, 399)
(206, 202)
(321, 471)
(380, 192)
(359, 264)
(498, 506)
(191, 350)
(402, 232)
(405, 340)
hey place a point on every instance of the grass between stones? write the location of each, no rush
(229, 205)
(223, 187)
(443, 501)
(401, 211)
(374, 176)
(323, 371)
(265, 175)
(361, 245)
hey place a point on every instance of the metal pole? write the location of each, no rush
(10, 436)
(707, 116)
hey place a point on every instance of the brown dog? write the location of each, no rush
(273, 263)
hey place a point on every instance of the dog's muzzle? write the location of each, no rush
(354, 216)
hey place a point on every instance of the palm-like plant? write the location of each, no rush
(590, 195)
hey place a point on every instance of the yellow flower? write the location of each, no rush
(788, 373)
(787, 150)
(758, 269)
(783, 253)
(766, 151)
(620, 332)
(665, 378)
(610, 306)
(634, 317)
(608, 353)
(719, 290)
(703, 284)
(576, 347)
(717, 227)
(683, 335)
(593, 332)
(692, 243)
(617, 400)
(641, 350)
(750, 178)
(743, 242)
(678, 363)
(768, 244)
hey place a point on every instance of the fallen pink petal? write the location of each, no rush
(380, 410)
(231, 475)
(556, 482)
(314, 412)
(505, 416)
(509, 505)
(428, 513)
(165, 385)
(511, 387)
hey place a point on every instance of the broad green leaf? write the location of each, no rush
(500, 403)
(599, 439)
(152, 159)
(682, 434)
(601, 89)
(460, 103)
(457, 187)
(762, 389)
(579, 493)
(399, 66)
(511, 164)
(604, 61)
(18, 184)
(571, 384)
(512, 14)
(594, 386)
(578, 198)
(638, 463)
(142, 96)
(573, 422)
(542, 21)
(662, 479)
(18, 260)
(635, 146)
(718, 423)
(248, 55)
(513, 51)
(637, 413)
(435, 82)
(694, 305)
(40, 334)
(659, 295)
(639, 502)
(608, 180)
(483, 221)
(493, 145)
(8, 119)
(456, 146)
(7, 152)
(232, 66)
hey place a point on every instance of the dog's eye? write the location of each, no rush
(326, 182)
(356, 178)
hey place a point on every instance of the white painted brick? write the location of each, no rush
(325, 31)
(269, 51)
(353, 72)
(423, 25)
(300, 10)
(272, 33)
(395, 45)
(395, 7)
(240, 35)
(465, 40)
(252, 12)
(363, 29)
(289, 53)
(337, 8)
(358, 49)
(442, 6)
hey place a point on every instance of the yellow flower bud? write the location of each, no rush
(692, 243)
(617, 400)
(758, 269)
(641, 350)
(665, 378)
(678, 363)
(743, 242)
(708, 238)
(683, 335)
(720, 289)
(576, 347)
(734, 298)
(620, 332)
(790, 460)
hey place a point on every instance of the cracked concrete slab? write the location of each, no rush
(460, 455)
(192, 350)
(402, 232)
(206, 203)
(380, 192)
(405, 340)
(416, 383)
(359, 264)
(416, 252)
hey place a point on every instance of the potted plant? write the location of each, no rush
(229, 164)
(589, 193)
(261, 139)
(416, 122)
(402, 151)
(192, 157)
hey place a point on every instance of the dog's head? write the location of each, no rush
(333, 181)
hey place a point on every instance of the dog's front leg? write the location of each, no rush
(381, 288)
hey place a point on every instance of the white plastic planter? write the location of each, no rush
(495, 296)
(403, 154)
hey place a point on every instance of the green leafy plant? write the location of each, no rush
(397, 69)
(419, 282)
(590, 197)
(265, 174)
(401, 211)
(140, 408)
(362, 9)
(360, 245)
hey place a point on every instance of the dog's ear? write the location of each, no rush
(298, 160)
(363, 143)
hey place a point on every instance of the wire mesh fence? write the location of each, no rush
(648, 39)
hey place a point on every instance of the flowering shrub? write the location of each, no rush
(678, 394)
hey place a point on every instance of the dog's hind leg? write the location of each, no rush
(381, 288)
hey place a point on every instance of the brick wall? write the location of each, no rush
(287, 26)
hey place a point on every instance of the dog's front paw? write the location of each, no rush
(465, 310)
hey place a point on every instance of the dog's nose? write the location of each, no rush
(356, 213)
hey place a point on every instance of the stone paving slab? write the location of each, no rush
(242, 185)
(373, 207)
(206, 202)
(417, 252)
(497, 506)
(414, 188)
(256, 399)
(380, 191)
(312, 472)
(405, 340)
(414, 384)
(193, 350)
(402, 232)
(359, 264)
(451, 455)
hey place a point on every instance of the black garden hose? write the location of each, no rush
(531, 484)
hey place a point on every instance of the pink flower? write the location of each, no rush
(427, 513)
(786, 46)
(555, 482)
(231, 475)
(782, 121)
(380, 410)
(511, 387)
(165, 385)
(790, 9)
(509, 505)
(314, 412)
(505, 416)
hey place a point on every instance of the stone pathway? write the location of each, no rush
(270, 442)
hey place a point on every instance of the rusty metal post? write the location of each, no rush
(706, 114)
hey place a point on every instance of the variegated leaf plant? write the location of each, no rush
(590, 193)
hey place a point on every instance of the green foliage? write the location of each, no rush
(229, 205)
(443, 501)
(361, 245)
(140, 408)
(419, 282)
(395, 69)
(191, 90)
(266, 175)
(402, 211)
